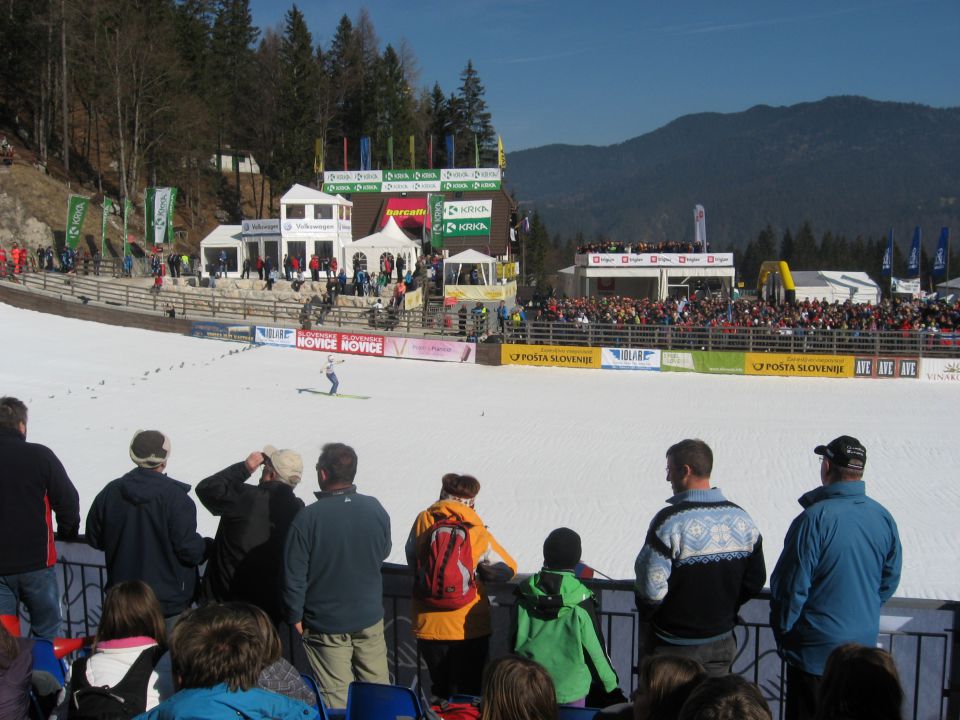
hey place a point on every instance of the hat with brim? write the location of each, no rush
(845, 452)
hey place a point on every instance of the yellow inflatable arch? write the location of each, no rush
(777, 267)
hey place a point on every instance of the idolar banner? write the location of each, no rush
(76, 213)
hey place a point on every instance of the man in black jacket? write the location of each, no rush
(146, 525)
(247, 555)
(33, 485)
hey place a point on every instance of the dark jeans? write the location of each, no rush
(802, 689)
(39, 592)
(715, 656)
(456, 666)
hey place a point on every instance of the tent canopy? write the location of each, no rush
(472, 257)
(390, 237)
(303, 194)
(835, 285)
(486, 267)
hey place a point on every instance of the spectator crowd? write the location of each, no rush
(172, 645)
(717, 312)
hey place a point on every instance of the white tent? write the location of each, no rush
(390, 240)
(228, 238)
(301, 194)
(835, 286)
(486, 267)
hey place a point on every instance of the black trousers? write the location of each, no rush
(802, 689)
(456, 666)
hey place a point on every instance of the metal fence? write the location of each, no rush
(434, 319)
(921, 635)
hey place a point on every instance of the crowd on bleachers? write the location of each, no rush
(317, 569)
(666, 246)
(721, 312)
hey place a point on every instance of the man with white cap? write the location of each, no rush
(840, 562)
(146, 525)
(247, 554)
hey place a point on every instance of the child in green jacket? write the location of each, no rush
(555, 623)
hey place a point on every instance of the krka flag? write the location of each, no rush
(943, 250)
(76, 213)
(107, 205)
(127, 211)
(159, 215)
(913, 262)
(887, 268)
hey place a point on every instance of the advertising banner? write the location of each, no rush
(907, 287)
(107, 209)
(459, 293)
(629, 359)
(466, 227)
(461, 209)
(707, 362)
(427, 349)
(880, 367)
(943, 370)
(436, 220)
(308, 227)
(76, 213)
(222, 331)
(410, 213)
(318, 340)
(411, 175)
(351, 343)
(158, 206)
(280, 337)
(627, 260)
(550, 356)
(838, 366)
(429, 180)
(264, 226)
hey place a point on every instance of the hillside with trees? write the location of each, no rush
(117, 95)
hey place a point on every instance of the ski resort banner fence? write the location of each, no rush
(223, 331)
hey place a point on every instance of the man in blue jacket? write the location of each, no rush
(146, 525)
(840, 562)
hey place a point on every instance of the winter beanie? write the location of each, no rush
(561, 549)
(149, 448)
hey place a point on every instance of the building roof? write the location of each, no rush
(303, 194)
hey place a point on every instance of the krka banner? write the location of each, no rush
(159, 204)
(107, 206)
(943, 249)
(435, 204)
(913, 261)
(76, 213)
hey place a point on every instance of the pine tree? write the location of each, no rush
(475, 121)
(297, 101)
(535, 251)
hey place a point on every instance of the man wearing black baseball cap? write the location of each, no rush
(840, 562)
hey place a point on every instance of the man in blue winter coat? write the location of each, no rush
(840, 562)
(146, 525)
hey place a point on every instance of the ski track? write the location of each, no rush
(550, 446)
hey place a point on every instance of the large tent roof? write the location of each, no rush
(390, 237)
(224, 235)
(303, 194)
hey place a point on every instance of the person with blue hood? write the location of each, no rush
(146, 524)
(555, 623)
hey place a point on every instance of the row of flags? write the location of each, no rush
(159, 207)
(940, 260)
(319, 160)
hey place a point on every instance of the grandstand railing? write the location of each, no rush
(920, 634)
(435, 320)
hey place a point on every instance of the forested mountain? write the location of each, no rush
(846, 165)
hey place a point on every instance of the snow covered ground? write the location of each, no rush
(550, 447)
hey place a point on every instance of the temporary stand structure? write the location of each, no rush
(391, 240)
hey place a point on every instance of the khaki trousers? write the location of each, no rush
(338, 659)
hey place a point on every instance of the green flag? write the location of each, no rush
(76, 213)
(107, 206)
(435, 203)
(127, 209)
(173, 202)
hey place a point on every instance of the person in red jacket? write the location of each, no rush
(3, 262)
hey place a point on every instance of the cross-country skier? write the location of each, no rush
(331, 375)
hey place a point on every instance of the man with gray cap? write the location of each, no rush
(840, 562)
(146, 525)
(247, 555)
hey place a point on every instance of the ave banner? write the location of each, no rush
(159, 206)
(76, 213)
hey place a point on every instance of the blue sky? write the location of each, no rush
(605, 71)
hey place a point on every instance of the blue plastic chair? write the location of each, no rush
(577, 713)
(44, 660)
(372, 701)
